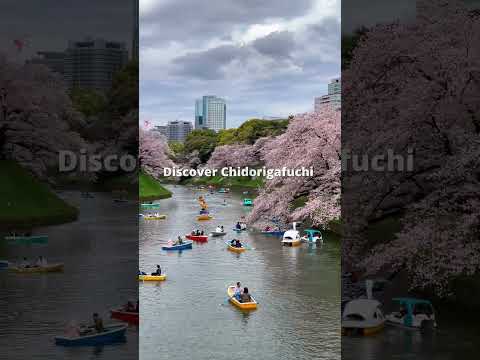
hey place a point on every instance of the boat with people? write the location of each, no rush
(412, 313)
(235, 249)
(247, 202)
(252, 305)
(272, 231)
(201, 238)
(218, 233)
(145, 277)
(312, 236)
(37, 269)
(26, 239)
(155, 217)
(204, 217)
(184, 246)
(362, 317)
(121, 314)
(111, 334)
(292, 237)
(224, 190)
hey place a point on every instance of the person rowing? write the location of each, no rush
(179, 241)
(237, 293)
(238, 226)
(157, 272)
(245, 297)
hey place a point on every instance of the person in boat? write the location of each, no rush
(40, 261)
(202, 233)
(179, 241)
(218, 229)
(98, 323)
(221, 228)
(268, 228)
(157, 272)
(245, 297)
(238, 291)
(130, 307)
(25, 263)
(233, 242)
(238, 226)
(243, 226)
(238, 244)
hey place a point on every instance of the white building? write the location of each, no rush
(92, 63)
(178, 130)
(334, 97)
(210, 113)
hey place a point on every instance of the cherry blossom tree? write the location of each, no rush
(153, 153)
(37, 119)
(414, 87)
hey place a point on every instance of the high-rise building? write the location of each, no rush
(334, 97)
(178, 130)
(92, 63)
(162, 129)
(210, 113)
(54, 60)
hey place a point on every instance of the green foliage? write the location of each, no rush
(123, 97)
(150, 189)
(202, 140)
(230, 181)
(87, 101)
(177, 147)
(251, 130)
(25, 202)
(349, 43)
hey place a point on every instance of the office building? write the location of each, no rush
(54, 60)
(92, 63)
(162, 129)
(178, 130)
(333, 98)
(210, 113)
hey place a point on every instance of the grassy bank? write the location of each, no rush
(26, 202)
(151, 189)
(230, 181)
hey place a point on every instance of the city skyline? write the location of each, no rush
(261, 60)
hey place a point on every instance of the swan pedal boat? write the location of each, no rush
(185, 245)
(362, 317)
(291, 238)
(112, 334)
(243, 306)
(152, 277)
(127, 316)
(38, 269)
(197, 237)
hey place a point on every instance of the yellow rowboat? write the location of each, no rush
(243, 306)
(235, 249)
(160, 217)
(38, 269)
(152, 277)
(204, 217)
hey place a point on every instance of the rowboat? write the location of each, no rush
(204, 217)
(243, 306)
(38, 269)
(185, 245)
(159, 217)
(197, 237)
(112, 334)
(3, 264)
(127, 316)
(217, 233)
(35, 239)
(150, 206)
(120, 200)
(235, 249)
(247, 202)
(152, 277)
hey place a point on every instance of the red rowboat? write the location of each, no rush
(129, 317)
(197, 237)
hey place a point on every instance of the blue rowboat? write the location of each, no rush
(185, 245)
(247, 202)
(150, 206)
(274, 232)
(112, 334)
(36, 239)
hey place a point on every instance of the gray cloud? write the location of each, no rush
(278, 44)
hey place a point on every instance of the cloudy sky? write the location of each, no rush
(265, 57)
(49, 24)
